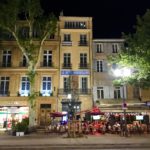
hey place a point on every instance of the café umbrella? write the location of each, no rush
(96, 111)
(56, 114)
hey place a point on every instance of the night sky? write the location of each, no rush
(110, 17)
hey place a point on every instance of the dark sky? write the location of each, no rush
(110, 17)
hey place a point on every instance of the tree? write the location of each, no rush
(136, 53)
(16, 14)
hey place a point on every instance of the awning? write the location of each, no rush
(56, 114)
(96, 111)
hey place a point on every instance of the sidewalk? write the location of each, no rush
(42, 139)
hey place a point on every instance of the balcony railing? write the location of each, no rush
(83, 43)
(67, 66)
(46, 93)
(23, 64)
(83, 66)
(4, 93)
(74, 91)
(46, 64)
(66, 43)
(5, 65)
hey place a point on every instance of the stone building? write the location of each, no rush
(107, 96)
(14, 83)
(75, 64)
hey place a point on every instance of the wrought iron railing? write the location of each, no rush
(83, 66)
(66, 66)
(43, 64)
(74, 91)
(83, 43)
(4, 93)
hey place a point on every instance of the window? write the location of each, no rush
(67, 84)
(47, 58)
(51, 36)
(83, 38)
(67, 37)
(83, 60)
(24, 62)
(25, 32)
(75, 25)
(6, 58)
(115, 48)
(84, 84)
(99, 66)
(46, 86)
(99, 48)
(114, 66)
(4, 85)
(67, 60)
(100, 93)
(25, 86)
(117, 93)
(136, 92)
(35, 33)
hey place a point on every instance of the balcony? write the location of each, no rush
(5, 65)
(23, 64)
(4, 93)
(74, 91)
(25, 93)
(66, 43)
(45, 93)
(66, 66)
(43, 64)
(83, 43)
(83, 66)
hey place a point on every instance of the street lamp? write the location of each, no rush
(123, 72)
(69, 96)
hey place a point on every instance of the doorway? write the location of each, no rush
(45, 110)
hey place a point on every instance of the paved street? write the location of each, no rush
(55, 142)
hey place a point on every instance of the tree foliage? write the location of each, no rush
(17, 14)
(136, 53)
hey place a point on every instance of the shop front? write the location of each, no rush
(9, 113)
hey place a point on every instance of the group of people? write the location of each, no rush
(99, 127)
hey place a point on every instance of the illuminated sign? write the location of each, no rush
(69, 72)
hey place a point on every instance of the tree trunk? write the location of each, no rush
(32, 97)
(32, 116)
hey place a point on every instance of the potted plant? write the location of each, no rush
(21, 127)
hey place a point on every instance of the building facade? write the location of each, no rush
(73, 75)
(15, 86)
(75, 64)
(107, 96)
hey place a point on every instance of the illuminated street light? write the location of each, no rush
(69, 96)
(123, 72)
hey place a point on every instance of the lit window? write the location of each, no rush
(46, 86)
(25, 86)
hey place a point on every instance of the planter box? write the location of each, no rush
(19, 133)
